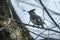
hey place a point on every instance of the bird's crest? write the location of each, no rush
(31, 10)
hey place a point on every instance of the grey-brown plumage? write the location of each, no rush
(35, 19)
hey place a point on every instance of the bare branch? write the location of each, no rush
(38, 27)
(49, 14)
(54, 12)
(30, 4)
(37, 34)
(40, 34)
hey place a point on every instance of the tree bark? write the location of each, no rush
(14, 31)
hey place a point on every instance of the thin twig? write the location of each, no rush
(37, 34)
(30, 4)
(49, 14)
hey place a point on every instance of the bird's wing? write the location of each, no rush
(38, 18)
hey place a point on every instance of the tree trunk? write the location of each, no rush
(14, 31)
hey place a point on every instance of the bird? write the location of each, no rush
(35, 19)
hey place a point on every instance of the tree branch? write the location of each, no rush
(31, 4)
(37, 34)
(49, 14)
(37, 27)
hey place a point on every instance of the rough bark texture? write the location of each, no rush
(14, 31)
